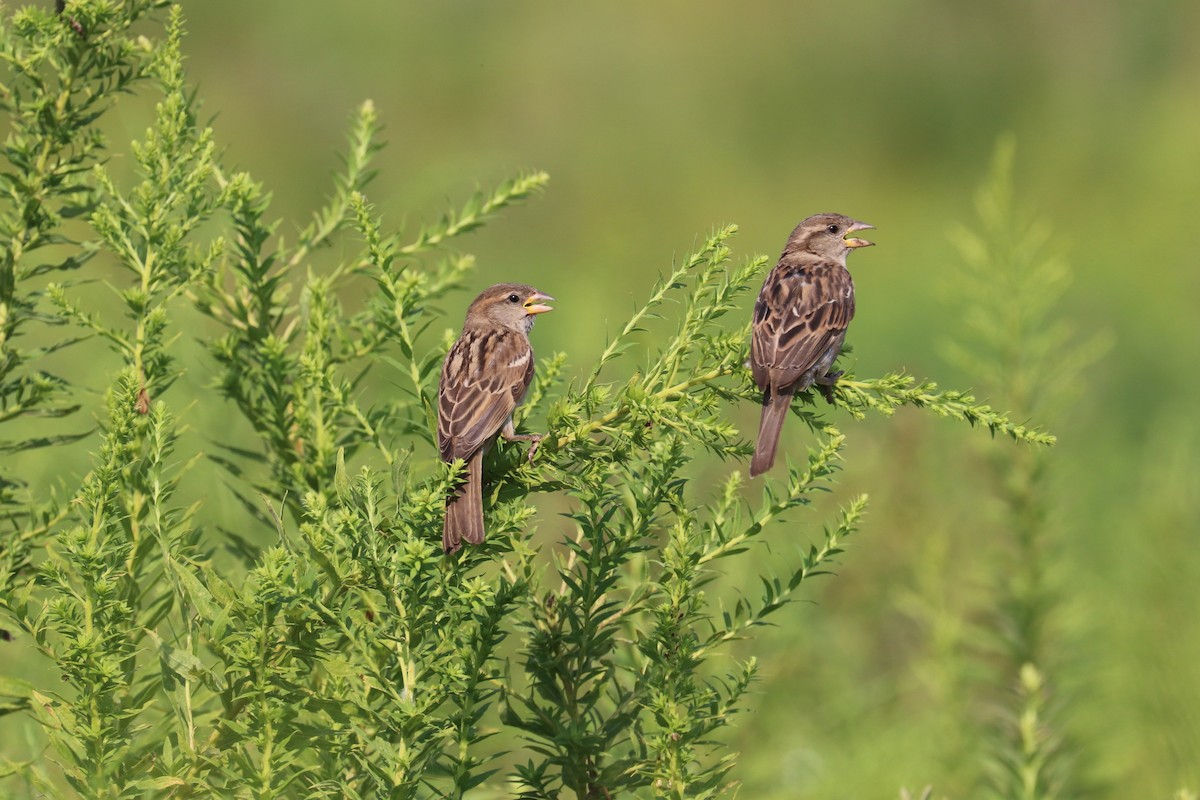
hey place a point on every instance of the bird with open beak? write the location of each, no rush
(800, 320)
(485, 376)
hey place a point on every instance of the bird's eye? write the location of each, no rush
(832, 229)
(512, 298)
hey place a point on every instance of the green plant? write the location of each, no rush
(57, 83)
(1028, 356)
(350, 657)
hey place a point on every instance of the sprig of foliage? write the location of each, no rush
(1029, 356)
(1029, 767)
(892, 391)
(101, 592)
(60, 74)
(149, 230)
(476, 211)
(55, 86)
(104, 585)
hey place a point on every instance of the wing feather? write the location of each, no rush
(484, 377)
(802, 311)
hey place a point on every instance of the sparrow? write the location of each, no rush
(800, 320)
(484, 377)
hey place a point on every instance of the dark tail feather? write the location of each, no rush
(775, 409)
(464, 509)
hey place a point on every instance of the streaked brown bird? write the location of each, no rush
(800, 321)
(484, 377)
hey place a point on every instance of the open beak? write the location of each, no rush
(858, 226)
(534, 303)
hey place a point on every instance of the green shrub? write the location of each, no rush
(350, 657)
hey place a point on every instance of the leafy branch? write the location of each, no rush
(890, 392)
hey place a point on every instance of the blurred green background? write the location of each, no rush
(659, 121)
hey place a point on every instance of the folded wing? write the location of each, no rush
(484, 377)
(802, 311)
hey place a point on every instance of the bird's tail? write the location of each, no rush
(464, 508)
(774, 412)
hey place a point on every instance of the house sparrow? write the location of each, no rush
(484, 377)
(800, 321)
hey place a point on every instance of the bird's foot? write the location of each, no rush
(826, 383)
(535, 440)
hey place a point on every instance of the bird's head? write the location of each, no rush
(509, 305)
(828, 235)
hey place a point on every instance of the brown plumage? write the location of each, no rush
(800, 320)
(484, 378)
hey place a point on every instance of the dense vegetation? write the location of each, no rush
(232, 585)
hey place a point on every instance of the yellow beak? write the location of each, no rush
(858, 226)
(534, 304)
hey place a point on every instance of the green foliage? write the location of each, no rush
(349, 657)
(56, 84)
(1014, 337)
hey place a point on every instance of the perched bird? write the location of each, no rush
(484, 378)
(800, 321)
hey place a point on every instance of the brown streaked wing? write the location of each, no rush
(800, 311)
(484, 377)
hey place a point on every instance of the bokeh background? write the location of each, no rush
(657, 122)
